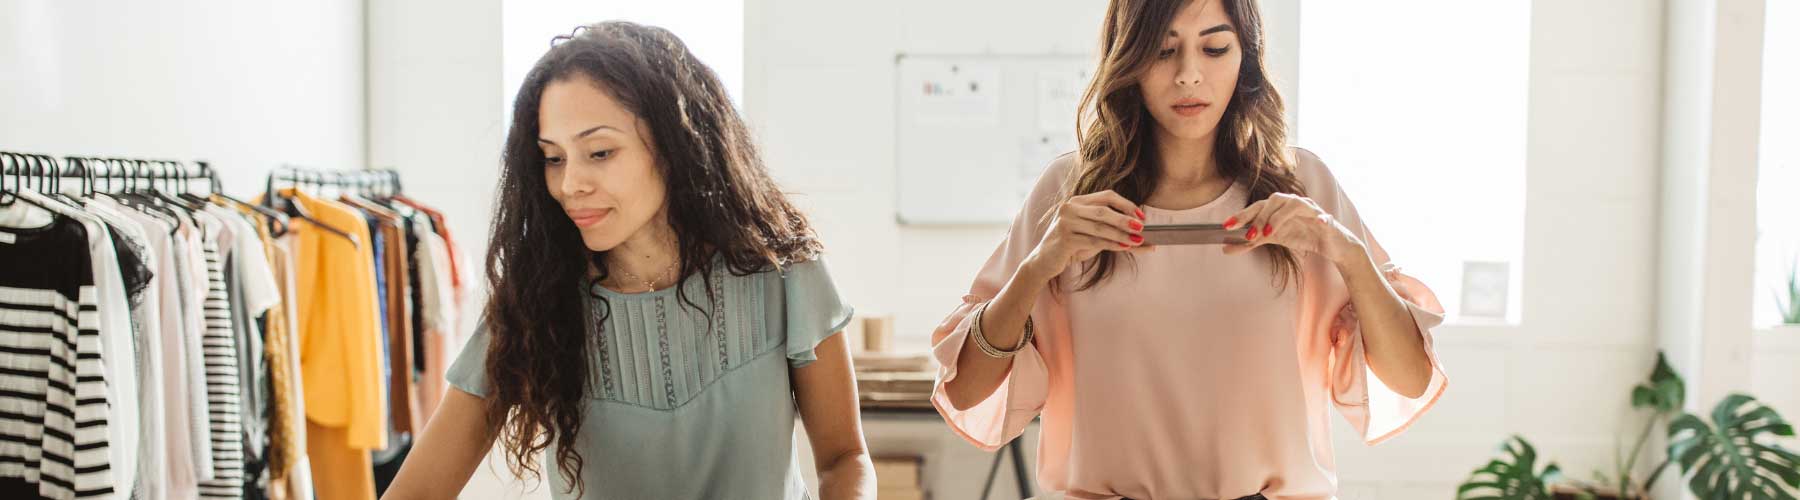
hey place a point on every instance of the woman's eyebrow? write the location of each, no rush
(1208, 31)
(583, 133)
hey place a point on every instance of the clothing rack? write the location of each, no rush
(92, 174)
(115, 175)
(214, 410)
(374, 182)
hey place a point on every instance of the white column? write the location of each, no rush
(1711, 114)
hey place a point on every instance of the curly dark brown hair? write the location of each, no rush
(721, 203)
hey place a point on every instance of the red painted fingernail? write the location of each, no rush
(1251, 234)
(1140, 214)
(1137, 238)
(1135, 225)
(1229, 223)
(1268, 230)
(1122, 245)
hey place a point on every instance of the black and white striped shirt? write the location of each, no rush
(53, 407)
(223, 391)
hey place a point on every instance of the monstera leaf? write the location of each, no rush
(1512, 477)
(1733, 458)
(1664, 392)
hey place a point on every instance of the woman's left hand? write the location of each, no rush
(1295, 222)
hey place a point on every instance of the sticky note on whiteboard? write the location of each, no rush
(954, 94)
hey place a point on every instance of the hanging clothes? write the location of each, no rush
(224, 402)
(290, 465)
(437, 306)
(252, 292)
(157, 345)
(340, 351)
(268, 441)
(48, 314)
(396, 314)
(171, 469)
(145, 298)
(443, 231)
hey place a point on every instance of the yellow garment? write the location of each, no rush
(340, 353)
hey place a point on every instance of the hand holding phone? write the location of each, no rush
(1191, 234)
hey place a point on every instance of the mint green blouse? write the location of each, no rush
(693, 403)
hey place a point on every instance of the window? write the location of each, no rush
(1386, 111)
(717, 38)
(1778, 172)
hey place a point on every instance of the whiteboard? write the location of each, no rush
(974, 132)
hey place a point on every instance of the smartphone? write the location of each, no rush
(1191, 234)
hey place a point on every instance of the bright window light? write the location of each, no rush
(1418, 107)
(1778, 172)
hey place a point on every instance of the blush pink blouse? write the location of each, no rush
(1188, 374)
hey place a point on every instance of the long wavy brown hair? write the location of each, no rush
(721, 203)
(1118, 149)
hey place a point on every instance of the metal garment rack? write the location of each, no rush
(92, 174)
(374, 182)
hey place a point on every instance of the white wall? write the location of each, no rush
(246, 85)
(819, 87)
(435, 114)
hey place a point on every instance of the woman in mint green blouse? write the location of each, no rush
(659, 312)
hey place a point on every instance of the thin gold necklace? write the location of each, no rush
(649, 285)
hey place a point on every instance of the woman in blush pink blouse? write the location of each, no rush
(1187, 371)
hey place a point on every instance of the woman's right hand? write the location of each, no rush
(1082, 227)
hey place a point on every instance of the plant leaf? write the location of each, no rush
(1789, 305)
(1513, 476)
(1734, 457)
(1664, 392)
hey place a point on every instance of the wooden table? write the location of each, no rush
(908, 395)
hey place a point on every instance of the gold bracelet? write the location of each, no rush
(981, 340)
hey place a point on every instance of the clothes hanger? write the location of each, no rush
(45, 179)
(54, 171)
(6, 169)
(135, 196)
(87, 177)
(296, 210)
(166, 173)
(278, 223)
(355, 186)
(183, 190)
(9, 168)
(219, 196)
(19, 163)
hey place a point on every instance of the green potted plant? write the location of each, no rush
(1733, 457)
(1787, 302)
(1514, 476)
